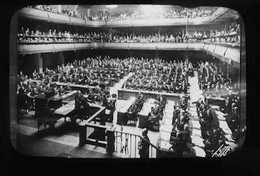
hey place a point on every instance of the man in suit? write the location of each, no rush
(81, 106)
(144, 144)
(176, 114)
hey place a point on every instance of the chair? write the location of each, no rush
(155, 125)
(46, 117)
(132, 117)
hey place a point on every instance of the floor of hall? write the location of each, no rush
(63, 140)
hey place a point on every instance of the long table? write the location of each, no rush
(166, 128)
(124, 94)
(168, 112)
(69, 96)
(123, 106)
(77, 86)
(143, 114)
(65, 110)
(216, 101)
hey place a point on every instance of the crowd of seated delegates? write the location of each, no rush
(42, 84)
(166, 14)
(214, 82)
(231, 35)
(93, 71)
(53, 36)
(159, 75)
(232, 110)
(180, 135)
(28, 90)
(50, 8)
(213, 135)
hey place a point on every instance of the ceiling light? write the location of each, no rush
(111, 6)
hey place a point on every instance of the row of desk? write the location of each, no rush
(217, 101)
(196, 130)
(124, 94)
(196, 135)
(166, 130)
(166, 127)
(69, 107)
(224, 126)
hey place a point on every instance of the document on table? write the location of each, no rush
(199, 151)
(197, 141)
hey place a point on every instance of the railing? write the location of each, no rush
(221, 51)
(97, 132)
(61, 18)
(126, 145)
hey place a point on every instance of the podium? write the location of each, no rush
(55, 102)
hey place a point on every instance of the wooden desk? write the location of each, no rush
(143, 114)
(40, 102)
(216, 101)
(223, 125)
(123, 106)
(69, 96)
(124, 94)
(66, 109)
(82, 88)
(55, 102)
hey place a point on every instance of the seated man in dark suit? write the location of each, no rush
(61, 90)
(182, 141)
(81, 107)
(176, 114)
(153, 119)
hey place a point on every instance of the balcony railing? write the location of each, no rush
(225, 52)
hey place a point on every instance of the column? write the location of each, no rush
(59, 8)
(159, 31)
(39, 62)
(13, 64)
(76, 7)
(88, 12)
(186, 56)
(228, 65)
(60, 58)
(82, 134)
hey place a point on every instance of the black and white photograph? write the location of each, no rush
(127, 81)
